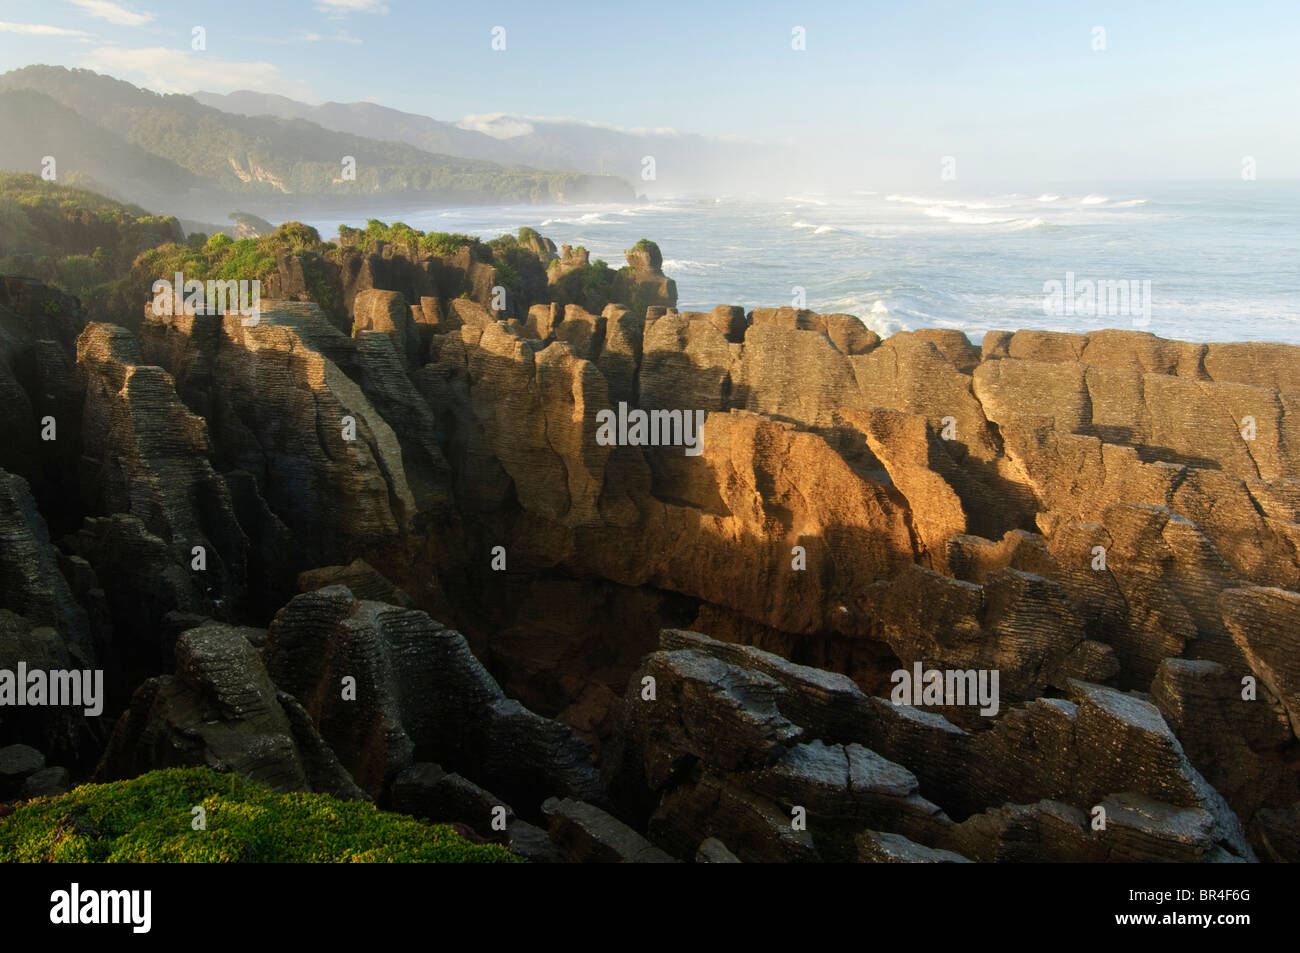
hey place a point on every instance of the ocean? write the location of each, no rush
(1198, 262)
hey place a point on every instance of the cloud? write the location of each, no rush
(167, 70)
(338, 8)
(497, 125)
(38, 29)
(504, 126)
(112, 12)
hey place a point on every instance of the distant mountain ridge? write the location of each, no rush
(370, 120)
(682, 162)
(173, 151)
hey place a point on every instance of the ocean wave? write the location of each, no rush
(591, 218)
(653, 207)
(686, 266)
(1094, 199)
(803, 225)
(804, 199)
(945, 203)
(824, 229)
(1131, 203)
(1048, 197)
(963, 218)
(1025, 223)
(881, 321)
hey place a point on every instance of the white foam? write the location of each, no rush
(644, 209)
(1048, 197)
(1094, 200)
(591, 218)
(1131, 203)
(963, 218)
(945, 203)
(686, 266)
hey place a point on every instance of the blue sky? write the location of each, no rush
(1012, 90)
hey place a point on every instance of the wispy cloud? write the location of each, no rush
(112, 12)
(506, 126)
(167, 70)
(39, 29)
(497, 125)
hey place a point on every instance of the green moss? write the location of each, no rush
(148, 820)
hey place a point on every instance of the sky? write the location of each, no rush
(1039, 91)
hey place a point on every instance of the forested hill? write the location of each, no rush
(171, 151)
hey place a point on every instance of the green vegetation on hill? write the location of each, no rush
(219, 258)
(71, 237)
(441, 244)
(149, 820)
(232, 154)
(110, 254)
(36, 126)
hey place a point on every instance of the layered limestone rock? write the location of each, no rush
(40, 392)
(783, 762)
(337, 452)
(1058, 509)
(385, 683)
(1110, 522)
(43, 627)
(644, 285)
(221, 709)
(145, 454)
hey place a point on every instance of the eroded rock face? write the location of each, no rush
(1062, 509)
(386, 684)
(1110, 521)
(782, 762)
(221, 709)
